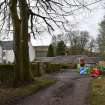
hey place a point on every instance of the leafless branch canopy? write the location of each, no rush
(44, 13)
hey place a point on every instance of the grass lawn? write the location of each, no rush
(97, 91)
(9, 95)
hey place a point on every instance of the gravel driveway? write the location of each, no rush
(71, 89)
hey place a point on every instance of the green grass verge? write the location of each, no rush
(97, 94)
(9, 95)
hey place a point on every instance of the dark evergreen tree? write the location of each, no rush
(60, 50)
(50, 52)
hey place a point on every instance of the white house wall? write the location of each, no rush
(9, 56)
(0, 54)
(31, 52)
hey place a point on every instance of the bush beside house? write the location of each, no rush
(50, 52)
(35, 69)
(60, 49)
(53, 67)
(6, 73)
(68, 65)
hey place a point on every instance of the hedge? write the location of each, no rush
(72, 65)
(6, 73)
(53, 67)
(68, 65)
(7, 70)
(36, 69)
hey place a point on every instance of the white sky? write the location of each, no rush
(43, 39)
(91, 22)
(84, 21)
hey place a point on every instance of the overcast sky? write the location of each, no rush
(91, 22)
(84, 21)
(89, 19)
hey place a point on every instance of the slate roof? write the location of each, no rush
(6, 45)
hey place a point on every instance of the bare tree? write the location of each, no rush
(84, 38)
(78, 41)
(26, 16)
(101, 37)
(72, 37)
(92, 45)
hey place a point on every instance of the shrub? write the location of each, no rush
(50, 52)
(72, 66)
(65, 65)
(35, 69)
(60, 50)
(68, 65)
(6, 66)
(53, 67)
(6, 73)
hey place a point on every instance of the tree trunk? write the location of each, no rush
(16, 34)
(24, 16)
(20, 28)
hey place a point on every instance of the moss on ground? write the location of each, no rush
(9, 95)
(97, 94)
